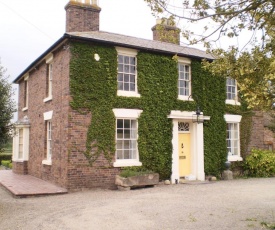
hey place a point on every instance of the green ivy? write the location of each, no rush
(93, 86)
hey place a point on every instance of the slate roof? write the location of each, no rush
(124, 41)
(140, 43)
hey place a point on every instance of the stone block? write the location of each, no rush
(227, 175)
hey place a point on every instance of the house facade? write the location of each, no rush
(96, 102)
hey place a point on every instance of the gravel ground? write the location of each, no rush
(238, 204)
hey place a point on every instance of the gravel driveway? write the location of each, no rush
(238, 204)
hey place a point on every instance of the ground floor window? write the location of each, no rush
(126, 137)
(21, 140)
(233, 137)
(49, 140)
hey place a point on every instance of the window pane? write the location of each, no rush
(126, 60)
(119, 154)
(127, 69)
(126, 86)
(126, 78)
(132, 87)
(127, 154)
(132, 60)
(132, 69)
(119, 144)
(120, 68)
(132, 78)
(120, 85)
(120, 123)
(127, 124)
(120, 77)
(120, 59)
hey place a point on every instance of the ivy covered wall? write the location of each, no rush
(93, 88)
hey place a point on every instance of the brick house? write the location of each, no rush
(51, 134)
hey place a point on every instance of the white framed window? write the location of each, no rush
(233, 137)
(49, 77)
(20, 150)
(21, 144)
(231, 91)
(48, 138)
(184, 79)
(127, 137)
(26, 93)
(127, 72)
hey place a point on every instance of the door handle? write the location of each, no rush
(182, 146)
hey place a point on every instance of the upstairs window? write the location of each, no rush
(25, 93)
(127, 72)
(184, 79)
(49, 77)
(49, 80)
(231, 91)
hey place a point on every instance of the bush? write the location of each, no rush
(7, 163)
(133, 171)
(260, 163)
(5, 157)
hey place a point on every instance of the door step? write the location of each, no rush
(183, 181)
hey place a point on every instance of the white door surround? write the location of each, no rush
(197, 145)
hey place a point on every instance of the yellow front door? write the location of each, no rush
(184, 154)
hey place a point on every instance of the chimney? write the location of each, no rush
(82, 16)
(166, 31)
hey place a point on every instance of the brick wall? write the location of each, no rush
(20, 167)
(257, 133)
(80, 173)
(166, 33)
(269, 139)
(57, 172)
(82, 17)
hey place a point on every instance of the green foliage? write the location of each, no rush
(260, 163)
(5, 156)
(134, 171)
(6, 163)
(94, 87)
(210, 94)
(7, 108)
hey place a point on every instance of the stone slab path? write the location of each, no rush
(26, 185)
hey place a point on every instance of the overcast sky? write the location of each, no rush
(29, 27)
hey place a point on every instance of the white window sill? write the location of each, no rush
(18, 160)
(185, 98)
(48, 99)
(127, 93)
(47, 162)
(232, 102)
(127, 163)
(24, 109)
(235, 158)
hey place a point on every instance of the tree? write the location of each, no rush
(253, 68)
(7, 108)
